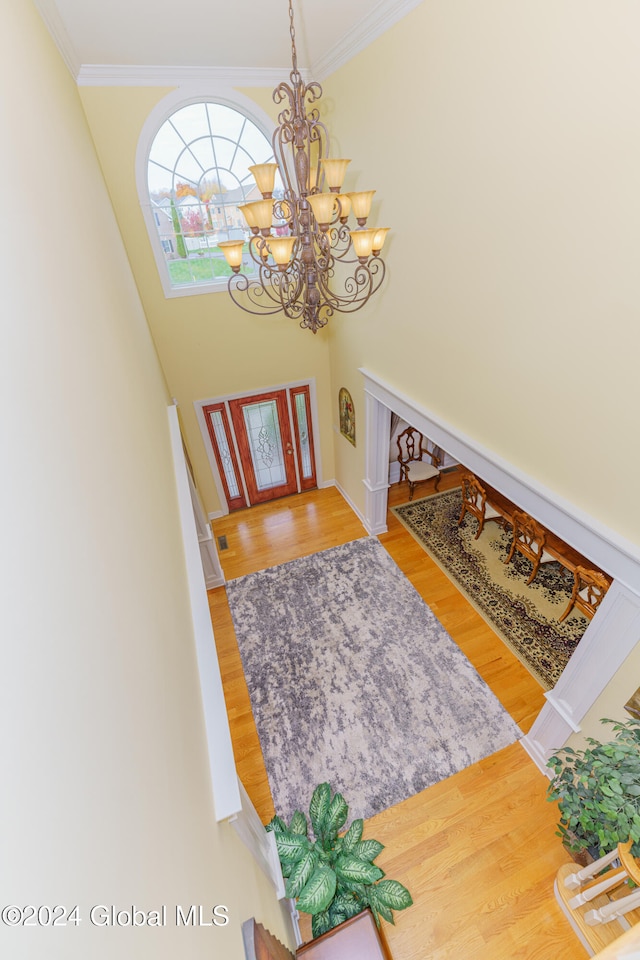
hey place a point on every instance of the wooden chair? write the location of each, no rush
(589, 587)
(529, 539)
(474, 501)
(413, 468)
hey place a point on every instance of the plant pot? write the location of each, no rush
(582, 857)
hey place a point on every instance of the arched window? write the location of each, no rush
(197, 178)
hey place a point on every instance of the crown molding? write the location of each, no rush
(381, 17)
(116, 75)
(53, 22)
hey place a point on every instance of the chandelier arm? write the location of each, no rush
(261, 285)
(256, 245)
(284, 288)
(290, 285)
(358, 287)
(281, 287)
(244, 292)
(270, 292)
(341, 244)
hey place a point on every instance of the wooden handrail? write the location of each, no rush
(629, 862)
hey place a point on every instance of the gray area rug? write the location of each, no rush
(354, 681)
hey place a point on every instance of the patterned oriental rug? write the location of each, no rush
(524, 617)
(353, 681)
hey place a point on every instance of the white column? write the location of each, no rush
(610, 638)
(376, 482)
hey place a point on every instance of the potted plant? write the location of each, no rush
(598, 791)
(331, 874)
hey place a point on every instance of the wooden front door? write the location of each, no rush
(263, 445)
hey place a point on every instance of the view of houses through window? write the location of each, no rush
(198, 176)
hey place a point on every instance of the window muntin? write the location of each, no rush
(197, 177)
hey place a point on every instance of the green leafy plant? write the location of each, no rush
(332, 875)
(598, 791)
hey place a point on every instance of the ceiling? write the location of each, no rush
(239, 36)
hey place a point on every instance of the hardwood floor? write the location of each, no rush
(478, 850)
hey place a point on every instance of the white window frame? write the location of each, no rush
(186, 94)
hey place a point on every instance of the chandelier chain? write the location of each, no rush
(292, 32)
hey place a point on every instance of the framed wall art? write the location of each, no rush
(347, 415)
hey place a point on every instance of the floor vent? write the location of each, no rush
(222, 543)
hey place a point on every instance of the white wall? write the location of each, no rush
(106, 795)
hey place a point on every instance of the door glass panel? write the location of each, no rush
(265, 444)
(303, 431)
(225, 453)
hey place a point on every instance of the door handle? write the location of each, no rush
(289, 449)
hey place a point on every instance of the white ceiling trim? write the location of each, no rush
(115, 75)
(382, 16)
(49, 13)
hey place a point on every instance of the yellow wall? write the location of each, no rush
(207, 346)
(502, 141)
(610, 703)
(106, 795)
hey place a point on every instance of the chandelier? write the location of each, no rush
(303, 260)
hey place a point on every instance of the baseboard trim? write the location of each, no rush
(355, 509)
(531, 748)
(212, 582)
